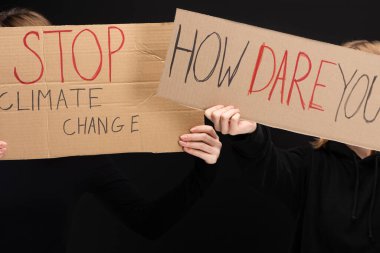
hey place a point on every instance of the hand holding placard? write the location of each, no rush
(83, 90)
(227, 120)
(275, 79)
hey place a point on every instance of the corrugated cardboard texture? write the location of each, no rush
(275, 79)
(60, 111)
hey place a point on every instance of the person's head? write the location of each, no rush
(362, 45)
(22, 17)
(19, 17)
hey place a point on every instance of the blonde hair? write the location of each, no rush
(22, 17)
(362, 45)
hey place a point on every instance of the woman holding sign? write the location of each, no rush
(330, 187)
(38, 197)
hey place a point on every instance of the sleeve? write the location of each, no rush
(271, 170)
(151, 218)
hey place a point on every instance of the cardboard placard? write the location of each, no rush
(83, 90)
(276, 79)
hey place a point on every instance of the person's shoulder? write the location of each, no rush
(304, 151)
(306, 148)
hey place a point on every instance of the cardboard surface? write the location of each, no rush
(275, 79)
(82, 90)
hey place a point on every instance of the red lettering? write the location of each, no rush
(282, 78)
(100, 53)
(35, 53)
(258, 63)
(110, 52)
(296, 81)
(60, 49)
(311, 102)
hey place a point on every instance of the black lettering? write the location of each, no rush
(48, 94)
(7, 108)
(61, 97)
(105, 127)
(92, 125)
(92, 97)
(78, 91)
(133, 123)
(216, 60)
(84, 125)
(18, 103)
(349, 96)
(228, 71)
(366, 102)
(344, 90)
(118, 127)
(32, 100)
(64, 128)
(176, 47)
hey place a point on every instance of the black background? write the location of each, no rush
(232, 217)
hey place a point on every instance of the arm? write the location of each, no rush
(280, 173)
(152, 218)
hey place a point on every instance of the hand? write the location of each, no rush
(227, 120)
(202, 142)
(3, 148)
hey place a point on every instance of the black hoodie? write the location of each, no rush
(331, 191)
(38, 199)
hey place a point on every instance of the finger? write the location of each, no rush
(210, 110)
(200, 137)
(198, 145)
(234, 123)
(225, 120)
(204, 156)
(246, 126)
(215, 116)
(205, 129)
(3, 144)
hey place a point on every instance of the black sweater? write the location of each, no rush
(35, 214)
(331, 191)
